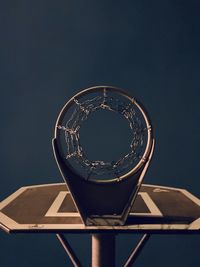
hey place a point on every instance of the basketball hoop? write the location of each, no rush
(76, 112)
(103, 191)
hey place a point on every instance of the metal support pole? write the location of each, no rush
(75, 261)
(103, 250)
(136, 251)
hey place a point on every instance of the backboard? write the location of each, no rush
(50, 208)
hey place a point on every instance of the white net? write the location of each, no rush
(79, 112)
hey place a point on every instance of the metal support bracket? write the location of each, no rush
(103, 250)
(75, 261)
(136, 251)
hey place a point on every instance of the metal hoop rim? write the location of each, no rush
(141, 108)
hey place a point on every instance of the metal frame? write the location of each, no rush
(103, 250)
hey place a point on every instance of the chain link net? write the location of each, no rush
(80, 113)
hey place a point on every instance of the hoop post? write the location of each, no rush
(103, 250)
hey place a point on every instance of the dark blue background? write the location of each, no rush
(51, 49)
